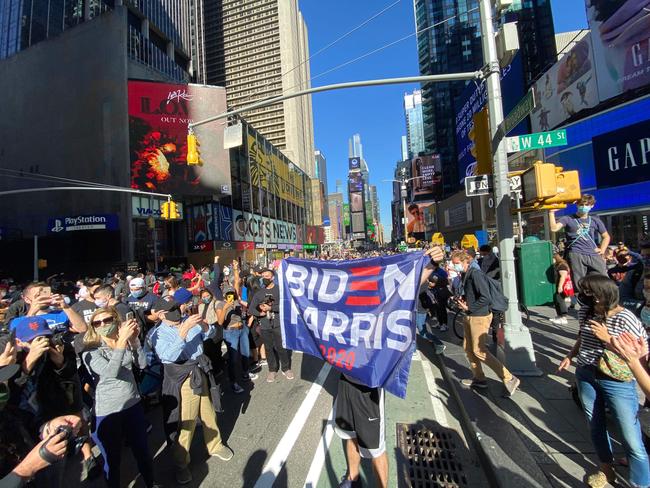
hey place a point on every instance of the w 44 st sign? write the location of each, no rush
(538, 140)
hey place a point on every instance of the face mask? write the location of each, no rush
(645, 316)
(101, 303)
(206, 300)
(266, 281)
(586, 300)
(646, 294)
(584, 209)
(138, 294)
(106, 330)
(458, 267)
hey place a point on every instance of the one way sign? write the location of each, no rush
(482, 185)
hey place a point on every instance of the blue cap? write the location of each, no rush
(28, 328)
(182, 295)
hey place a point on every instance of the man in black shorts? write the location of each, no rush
(359, 416)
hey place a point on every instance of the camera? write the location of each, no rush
(268, 299)
(57, 339)
(74, 442)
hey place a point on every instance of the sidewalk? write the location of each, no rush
(539, 437)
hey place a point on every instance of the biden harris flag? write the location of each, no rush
(357, 315)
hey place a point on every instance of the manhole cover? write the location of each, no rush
(428, 457)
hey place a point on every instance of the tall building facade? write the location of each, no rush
(335, 206)
(414, 123)
(321, 176)
(455, 46)
(259, 49)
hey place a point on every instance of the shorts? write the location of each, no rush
(254, 337)
(359, 414)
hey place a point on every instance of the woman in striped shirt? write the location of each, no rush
(601, 319)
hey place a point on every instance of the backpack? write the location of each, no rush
(498, 301)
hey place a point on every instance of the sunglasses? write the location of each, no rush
(106, 321)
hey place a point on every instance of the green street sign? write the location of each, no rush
(538, 140)
(310, 247)
(520, 112)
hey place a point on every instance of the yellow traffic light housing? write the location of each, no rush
(164, 210)
(193, 156)
(545, 184)
(482, 149)
(173, 210)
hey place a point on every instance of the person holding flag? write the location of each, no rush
(360, 317)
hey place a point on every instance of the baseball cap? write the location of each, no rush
(136, 283)
(172, 310)
(228, 289)
(28, 328)
(182, 295)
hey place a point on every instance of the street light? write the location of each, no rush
(403, 182)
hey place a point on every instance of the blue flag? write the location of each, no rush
(357, 315)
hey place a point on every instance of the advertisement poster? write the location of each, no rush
(568, 87)
(356, 202)
(620, 31)
(429, 184)
(355, 182)
(346, 215)
(158, 118)
(253, 228)
(473, 99)
(354, 163)
(415, 223)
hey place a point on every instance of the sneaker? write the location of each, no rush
(223, 452)
(90, 469)
(270, 378)
(512, 385)
(288, 374)
(472, 383)
(263, 362)
(439, 348)
(237, 389)
(183, 476)
(600, 480)
(250, 377)
(559, 321)
(443, 328)
(255, 368)
(348, 483)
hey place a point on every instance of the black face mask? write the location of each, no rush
(586, 300)
(267, 281)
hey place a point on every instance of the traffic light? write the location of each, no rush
(482, 149)
(164, 210)
(193, 156)
(173, 210)
(545, 184)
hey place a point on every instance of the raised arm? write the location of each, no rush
(554, 225)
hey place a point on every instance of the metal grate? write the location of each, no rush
(428, 457)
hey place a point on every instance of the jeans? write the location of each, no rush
(421, 322)
(110, 432)
(273, 345)
(584, 264)
(560, 305)
(239, 352)
(596, 393)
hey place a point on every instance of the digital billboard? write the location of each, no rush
(621, 43)
(158, 118)
(356, 202)
(355, 182)
(415, 223)
(427, 171)
(354, 163)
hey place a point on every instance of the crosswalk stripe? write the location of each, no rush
(438, 408)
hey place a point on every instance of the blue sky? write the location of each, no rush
(375, 113)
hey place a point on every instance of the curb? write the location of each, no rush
(472, 433)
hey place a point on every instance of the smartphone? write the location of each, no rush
(130, 315)
(12, 337)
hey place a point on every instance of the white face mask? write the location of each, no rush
(646, 294)
(458, 267)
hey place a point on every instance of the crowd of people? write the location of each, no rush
(81, 361)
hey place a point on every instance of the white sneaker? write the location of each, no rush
(559, 321)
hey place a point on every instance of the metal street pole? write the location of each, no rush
(520, 355)
(35, 257)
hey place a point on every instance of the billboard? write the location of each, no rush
(415, 223)
(158, 118)
(568, 87)
(621, 44)
(358, 224)
(356, 202)
(473, 99)
(355, 182)
(429, 184)
(77, 223)
(253, 228)
(354, 163)
(346, 214)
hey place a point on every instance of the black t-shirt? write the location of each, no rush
(272, 318)
(85, 309)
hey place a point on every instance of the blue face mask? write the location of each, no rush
(458, 267)
(584, 209)
(645, 316)
(138, 294)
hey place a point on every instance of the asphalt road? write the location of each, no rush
(281, 436)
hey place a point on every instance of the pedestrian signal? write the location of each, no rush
(193, 156)
(545, 184)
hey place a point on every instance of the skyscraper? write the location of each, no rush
(321, 175)
(414, 123)
(455, 46)
(405, 148)
(259, 49)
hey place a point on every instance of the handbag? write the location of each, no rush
(567, 287)
(610, 364)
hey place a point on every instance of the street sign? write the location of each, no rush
(538, 140)
(483, 185)
(520, 112)
(478, 185)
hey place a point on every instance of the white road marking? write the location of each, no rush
(321, 452)
(439, 411)
(284, 447)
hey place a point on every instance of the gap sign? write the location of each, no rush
(538, 140)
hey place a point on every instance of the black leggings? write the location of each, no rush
(560, 305)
